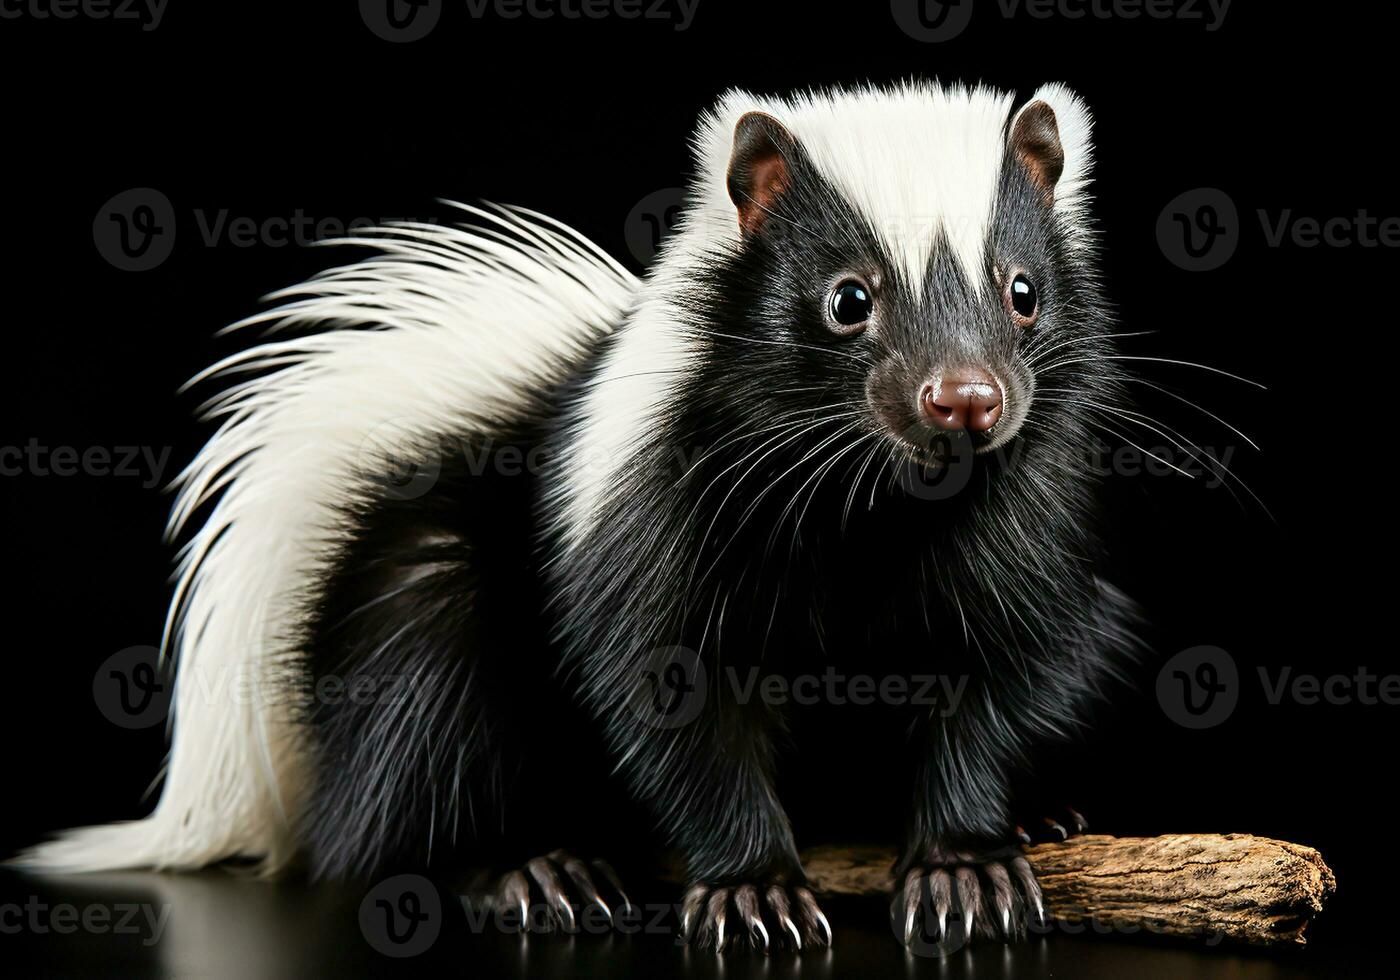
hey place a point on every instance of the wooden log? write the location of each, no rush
(1231, 886)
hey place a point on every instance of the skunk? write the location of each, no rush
(486, 477)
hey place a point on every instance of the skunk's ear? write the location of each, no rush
(1035, 144)
(1051, 136)
(759, 167)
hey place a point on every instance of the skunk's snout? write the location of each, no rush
(962, 398)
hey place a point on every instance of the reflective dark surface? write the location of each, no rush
(218, 924)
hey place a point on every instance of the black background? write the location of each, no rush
(267, 111)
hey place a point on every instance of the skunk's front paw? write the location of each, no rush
(767, 912)
(949, 895)
(558, 891)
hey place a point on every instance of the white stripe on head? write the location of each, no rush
(917, 162)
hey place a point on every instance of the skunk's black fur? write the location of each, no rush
(790, 554)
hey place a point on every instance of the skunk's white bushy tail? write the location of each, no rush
(441, 331)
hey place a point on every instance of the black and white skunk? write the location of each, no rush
(724, 465)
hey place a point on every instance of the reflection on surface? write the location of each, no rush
(218, 924)
(213, 924)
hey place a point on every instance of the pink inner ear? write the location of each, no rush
(1035, 139)
(758, 168)
(1040, 173)
(768, 177)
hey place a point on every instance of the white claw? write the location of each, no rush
(762, 930)
(1006, 921)
(604, 906)
(967, 925)
(569, 912)
(719, 937)
(685, 924)
(942, 924)
(909, 925)
(796, 936)
(826, 926)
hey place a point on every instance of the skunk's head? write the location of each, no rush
(906, 266)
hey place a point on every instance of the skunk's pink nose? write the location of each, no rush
(963, 398)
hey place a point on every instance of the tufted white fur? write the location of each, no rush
(452, 321)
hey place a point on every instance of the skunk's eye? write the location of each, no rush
(1022, 299)
(851, 305)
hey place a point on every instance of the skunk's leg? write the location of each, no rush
(963, 850)
(710, 780)
(962, 872)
